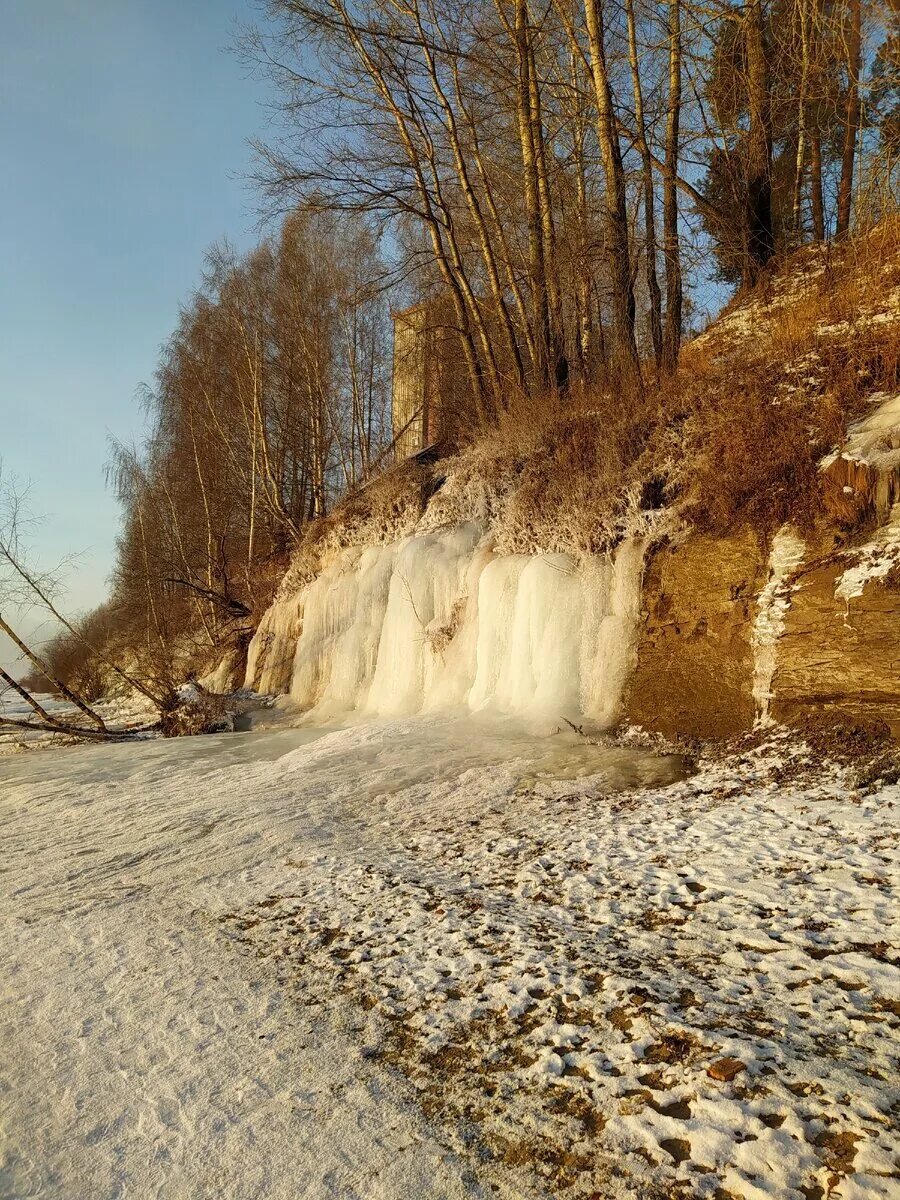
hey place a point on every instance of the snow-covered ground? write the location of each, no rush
(437, 957)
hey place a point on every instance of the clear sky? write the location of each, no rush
(124, 127)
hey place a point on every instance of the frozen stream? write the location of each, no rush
(142, 1055)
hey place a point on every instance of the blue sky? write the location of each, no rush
(124, 127)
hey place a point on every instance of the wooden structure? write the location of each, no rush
(415, 387)
(431, 392)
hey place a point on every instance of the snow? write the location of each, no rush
(872, 561)
(441, 621)
(130, 711)
(785, 557)
(887, 312)
(875, 438)
(757, 317)
(873, 441)
(877, 435)
(437, 956)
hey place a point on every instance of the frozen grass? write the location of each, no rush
(385, 510)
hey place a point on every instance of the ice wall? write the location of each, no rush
(440, 620)
(270, 655)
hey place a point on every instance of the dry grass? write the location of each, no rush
(438, 639)
(843, 740)
(554, 473)
(383, 511)
(735, 438)
(199, 713)
(746, 457)
(815, 288)
(864, 744)
(759, 401)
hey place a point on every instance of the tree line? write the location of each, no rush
(271, 398)
(556, 166)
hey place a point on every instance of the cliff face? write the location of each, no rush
(695, 663)
(840, 653)
(834, 645)
(702, 636)
(706, 638)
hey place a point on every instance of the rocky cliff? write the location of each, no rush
(695, 662)
(699, 649)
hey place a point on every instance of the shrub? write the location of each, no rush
(755, 411)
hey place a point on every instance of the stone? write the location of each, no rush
(725, 1069)
(839, 657)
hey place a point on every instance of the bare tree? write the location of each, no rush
(22, 584)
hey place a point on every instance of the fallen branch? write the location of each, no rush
(45, 670)
(57, 727)
(27, 697)
(236, 607)
(579, 729)
(41, 592)
(78, 731)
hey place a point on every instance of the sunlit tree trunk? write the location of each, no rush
(760, 230)
(654, 294)
(671, 238)
(851, 119)
(803, 18)
(537, 268)
(615, 209)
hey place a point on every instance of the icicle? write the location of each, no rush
(611, 648)
(270, 655)
(426, 582)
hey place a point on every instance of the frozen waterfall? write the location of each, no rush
(440, 620)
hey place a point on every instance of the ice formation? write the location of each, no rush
(439, 621)
(774, 601)
(875, 560)
(874, 438)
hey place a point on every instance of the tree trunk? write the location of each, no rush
(436, 218)
(474, 206)
(671, 243)
(802, 104)
(760, 235)
(815, 186)
(615, 210)
(583, 315)
(654, 294)
(851, 121)
(558, 367)
(45, 669)
(536, 266)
